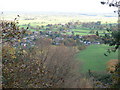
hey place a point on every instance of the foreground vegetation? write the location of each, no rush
(41, 66)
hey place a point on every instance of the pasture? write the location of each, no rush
(93, 57)
(78, 31)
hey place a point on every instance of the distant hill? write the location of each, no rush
(64, 13)
(99, 14)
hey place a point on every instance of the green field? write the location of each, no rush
(93, 58)
(80, 31)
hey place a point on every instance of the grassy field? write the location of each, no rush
(87, 31)
(80, 31)
(93, 58)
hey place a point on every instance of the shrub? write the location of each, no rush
(111, 65)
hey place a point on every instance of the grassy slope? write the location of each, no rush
(93, 58)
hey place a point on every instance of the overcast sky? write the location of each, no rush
(87, 6)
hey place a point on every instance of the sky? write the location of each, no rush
(87, 6)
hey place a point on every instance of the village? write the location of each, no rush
(57, 38)
(69, 34)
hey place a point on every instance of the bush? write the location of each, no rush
(111, 65)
